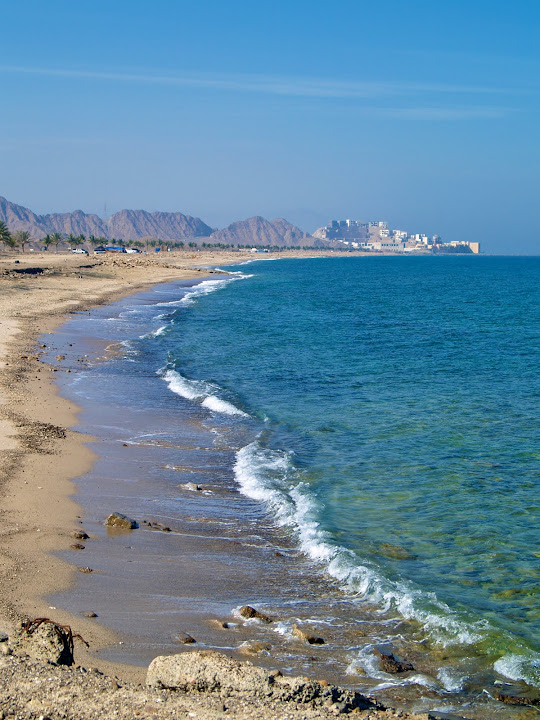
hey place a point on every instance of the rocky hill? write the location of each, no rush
(258, 231)
(126, 224)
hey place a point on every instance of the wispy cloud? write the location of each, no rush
(271, 85)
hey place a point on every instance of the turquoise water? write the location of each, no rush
(393, 406)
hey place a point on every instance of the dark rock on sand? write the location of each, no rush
(79, 535)
(77, 546)
(90, 614)
(118, 520)
(186, 639)
(306, 637)
(390, 664)
(248, 612)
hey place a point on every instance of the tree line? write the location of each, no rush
(22, 238)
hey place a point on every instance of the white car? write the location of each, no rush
(132, 250)
(79, 251)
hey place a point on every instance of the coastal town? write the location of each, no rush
(377, 236)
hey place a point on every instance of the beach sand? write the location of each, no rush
(40, 448)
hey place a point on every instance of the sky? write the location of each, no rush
(421, 113)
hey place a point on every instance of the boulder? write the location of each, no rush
(209, 671)
(306, 637)
(48, 642)
(248, 612)
(205, 671)
(118, 520)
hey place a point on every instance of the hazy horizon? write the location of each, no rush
(421, 114)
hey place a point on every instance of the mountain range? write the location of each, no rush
(132, 225)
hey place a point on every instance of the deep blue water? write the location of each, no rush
(396, 407)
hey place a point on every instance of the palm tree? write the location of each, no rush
(21, 237)
(56, 239)
(5, 235)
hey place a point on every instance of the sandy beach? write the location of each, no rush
(42, 452)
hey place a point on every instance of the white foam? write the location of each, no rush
(451, 680)
(207, 394)
(269, 476)
(218, 405)
(520, 667)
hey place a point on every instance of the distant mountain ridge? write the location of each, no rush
(258, 231)
(126, 224)
(135, 224)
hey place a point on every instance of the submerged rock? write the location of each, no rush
(254, 648)
(306, 637)
(118, 520)
(186, 638)
(248, 612)
(390, 664)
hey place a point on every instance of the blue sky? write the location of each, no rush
(425, 114)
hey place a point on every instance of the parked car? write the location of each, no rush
(80, 251)
(132, 250)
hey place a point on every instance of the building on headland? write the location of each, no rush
(377, 236)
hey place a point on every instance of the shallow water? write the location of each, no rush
(380, 419)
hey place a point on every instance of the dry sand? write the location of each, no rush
(41, 450)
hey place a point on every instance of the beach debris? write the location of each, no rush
(254, 648)
(45, 639)
(390, 664)
(306, 637)
(210, 671)
(248, 612)
(79, 535)
(77, 546)
(60, 357)
(90, 614)
(156, 526)
(186, 638)
(118, 520)
(85, 570)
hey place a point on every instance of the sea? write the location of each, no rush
(349, 444)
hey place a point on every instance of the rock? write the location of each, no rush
(47, 642)
(79, 535)
(3, 637)
(390, 664)
(118, 520)
(254, 648)
(186, 639)
(85, 569)
(191, 486)
(248, 612)
(60, 357)
(306, 637)
(90, 614)
(205, 671)
(515, 699)
(77, 546)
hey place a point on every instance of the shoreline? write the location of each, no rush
(40, 447)
(35, 420)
